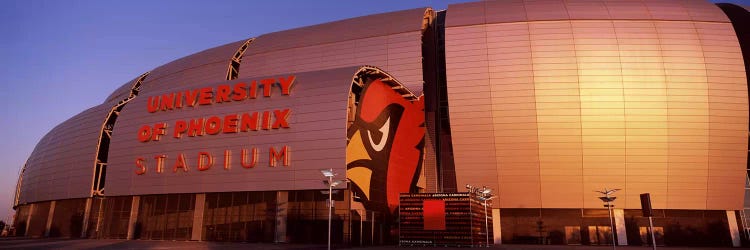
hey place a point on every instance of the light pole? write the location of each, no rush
(486, 217)
(331, 183)
(607, 199)
(484, 194)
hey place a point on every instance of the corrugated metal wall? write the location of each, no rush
(207, 66)
(62, 164)
(390, 41)
(551, 100)
(316, 137)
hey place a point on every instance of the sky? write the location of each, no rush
(58, 58)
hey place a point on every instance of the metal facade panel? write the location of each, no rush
(467, 14)
(588, 10)
(513, 11)
(376, 25)
(546, 9)
(625, 9)
(655, 106)
(391, 41)
(316, 138)
(399, 54)
(405, 59)
(429, 169)
(540, 10)
(468, 94)
(201, 62)
(62, 164)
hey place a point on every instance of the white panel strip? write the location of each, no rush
(200, 204)
(733, 229)
(622, 235)
(49, 218)
(496, 233)
(134, 205)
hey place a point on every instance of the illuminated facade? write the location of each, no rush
(543, 101)
(562, 98)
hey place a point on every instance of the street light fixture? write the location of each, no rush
(486, 218)
(484, 194)
(328, 173)
(608, 199)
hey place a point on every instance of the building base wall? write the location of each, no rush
(228, 216)
(67, 219)
(252, 217)
(592, 227)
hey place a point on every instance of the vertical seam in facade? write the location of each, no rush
(536, 112)
(387, 49)
(580, 109)
(580, 102)
(666, 100)
(624, 109)
(708, 108)
(624, 115)
(492, 106)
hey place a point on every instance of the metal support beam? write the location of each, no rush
(28, 219)
(233, 71)
(372, 229)
(496, 230)
(734, 230)
(99, 218)
(622, 235)
(282, 206)
(86, 215)
(50, 216)
(134, 205)
(100, 165)
(200, 206)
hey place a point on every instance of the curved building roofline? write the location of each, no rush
(357, 28)
(395, 84)
(557, 10)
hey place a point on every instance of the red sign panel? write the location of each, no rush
(434, 214)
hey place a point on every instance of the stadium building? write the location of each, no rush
(543, 101)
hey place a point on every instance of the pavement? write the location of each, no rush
(47, 243)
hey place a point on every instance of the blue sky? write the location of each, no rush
(58, 58)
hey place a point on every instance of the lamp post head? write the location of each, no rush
(328, 172)
(608, 199)
(485, 198)
(608, 191)
(334, 183)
